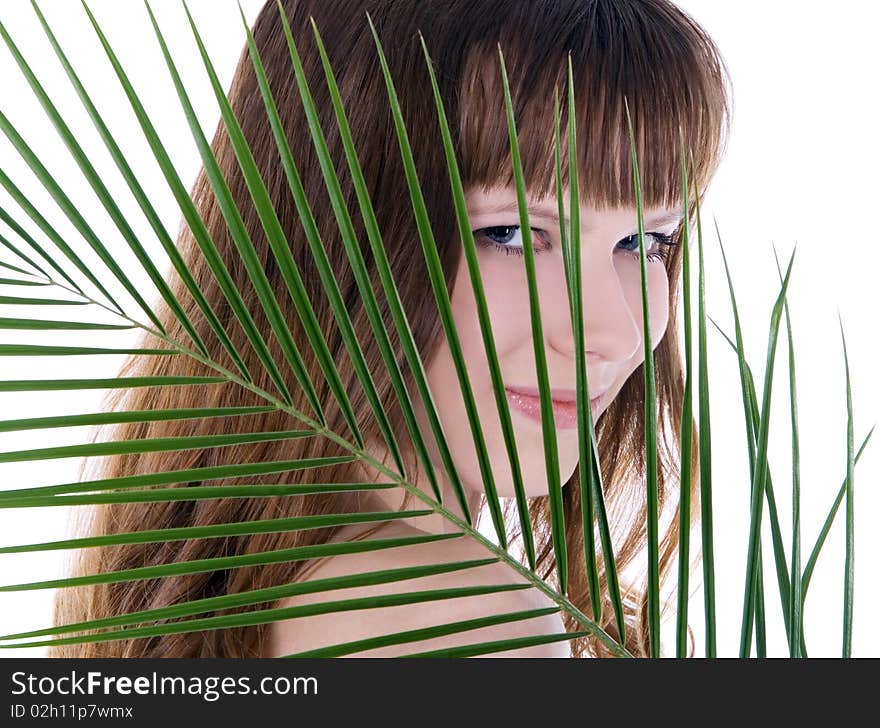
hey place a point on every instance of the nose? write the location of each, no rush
(611, 332)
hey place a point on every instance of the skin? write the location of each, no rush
(612, 308)
(613, 331)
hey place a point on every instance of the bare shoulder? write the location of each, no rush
(332, 628)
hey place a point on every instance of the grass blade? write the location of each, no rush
(548, 426)
(829, 521)
(188, 493)
(147, 208)
(795, 614)
(328, 279)
(170, 477)
(752, 417)
(823, 534)
(256, 596)
(849, 566)
(37, 350)
(156, 444)
(707, 540)
(586, 479)
(650, 421)
(435, 272)
(470, 253)
(217, 530)
(484, 648)
(109, 418)
(190, 213)
(58, 385)
(760, 626)
(759, 476)
(245, 247)
(687, 426)
(197, 566)
(356, 259)
(419, 635)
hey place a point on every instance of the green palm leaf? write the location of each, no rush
(235, 332)
(119, 490)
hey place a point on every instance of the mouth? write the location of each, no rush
(527, 401)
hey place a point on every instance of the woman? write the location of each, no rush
(671, 74)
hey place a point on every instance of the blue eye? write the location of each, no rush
(664, 242)
(509, 239)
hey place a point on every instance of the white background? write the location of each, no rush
(801, 169)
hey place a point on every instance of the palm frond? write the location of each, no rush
(160, 486)
(217, 351)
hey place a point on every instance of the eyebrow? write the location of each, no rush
(546, 213)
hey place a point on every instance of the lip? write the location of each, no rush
(527, 401)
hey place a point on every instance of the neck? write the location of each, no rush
(391, 499)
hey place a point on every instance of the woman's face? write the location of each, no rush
(612, 312)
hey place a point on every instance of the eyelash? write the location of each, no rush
(665, 242)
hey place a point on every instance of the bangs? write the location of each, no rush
(665, 65)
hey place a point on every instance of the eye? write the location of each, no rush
(653, 254)
(509, 239)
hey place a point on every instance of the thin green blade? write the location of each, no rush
(705, 438)
(650, 420)
(245, 247)
(419, 635)
(390, 288)
(109, 418)
(46, 325)
(256, 596)
(571, 266)
(277, 241)
(687, 424)
(189, 493)
(470, 253)
(57, 385)
(147, 208)
(484, 648)
(171, 477)
(157, 444)
(849, 564)
(217, 530)
(356, 259)
(25, 301)
(197, 566)
(758, 482)
(38, 350)
(548, 426)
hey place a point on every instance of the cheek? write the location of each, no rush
(658, 303)
(658, 297)
(503, 287)
(507, 310)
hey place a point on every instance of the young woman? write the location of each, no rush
(672, 75)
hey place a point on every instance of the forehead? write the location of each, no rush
(501, 199)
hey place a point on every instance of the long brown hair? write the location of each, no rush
(647, 50)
